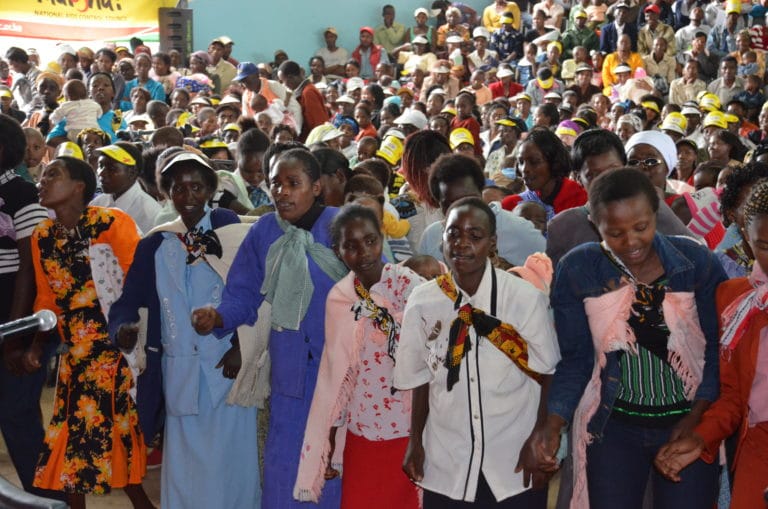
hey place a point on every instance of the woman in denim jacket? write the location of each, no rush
(637, 327)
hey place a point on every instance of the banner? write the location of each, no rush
(80, 20)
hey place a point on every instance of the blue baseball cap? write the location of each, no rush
(246, 69)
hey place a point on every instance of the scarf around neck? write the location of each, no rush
(287, 282)
(738, 315)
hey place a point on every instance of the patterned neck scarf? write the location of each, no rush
(380, 317)
(503, 336)
(200, 243)
(738, 315)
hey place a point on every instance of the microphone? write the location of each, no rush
(43, 320)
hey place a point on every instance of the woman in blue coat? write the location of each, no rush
(286, 260)
(210, 452)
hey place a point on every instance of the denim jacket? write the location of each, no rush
(587, 272)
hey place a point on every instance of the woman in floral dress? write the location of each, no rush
(93, 442)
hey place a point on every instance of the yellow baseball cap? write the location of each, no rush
(731, 118)
(391, 150)
(709, 102)
(460, 136)
(7, 93)
(69, 149)
(733, 6)
(715, 119)
(651, 105)
(232, 127)
(675, 122)
(119, 154)
(213, 143)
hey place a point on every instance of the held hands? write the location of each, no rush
(230, 362)
(678, 454)
(413, 464)
(204, 320)
(127, 336)
(538, 457)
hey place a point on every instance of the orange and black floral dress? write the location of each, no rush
(93, 442)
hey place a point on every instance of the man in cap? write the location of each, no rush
(654, 28)
(335, 58)
(492, 15)
(219, 66)
(688, 86)
(228, 47)
(692, 114)
(6, 105)
(707, 60)
(482, 55)
(544, 83)
(441, 77)
(389, 34)
(674, 125)
(583, 87)
(410, 121)
(506, 41)
(505, 86)
(579, 35)
(368, 54)
(610, 33)
(248, 75)
(722, 39)
(728, 85)
(311, 100)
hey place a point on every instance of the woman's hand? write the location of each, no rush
(678, 454)
(30, 361)
(204, 320)
(413, 464)
(330, 472)
(538, 460)
(684, 427)
(231, 362)
(127, 336)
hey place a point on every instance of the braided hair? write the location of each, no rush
(757, 203)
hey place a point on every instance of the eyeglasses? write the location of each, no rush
(647, 163)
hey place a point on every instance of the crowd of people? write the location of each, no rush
(433, 271)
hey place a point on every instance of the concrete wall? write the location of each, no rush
(259, 27)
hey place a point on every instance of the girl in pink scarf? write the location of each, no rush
(357, 419)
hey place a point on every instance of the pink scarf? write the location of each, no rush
(337, 376)
(608, 315)
(739, 313)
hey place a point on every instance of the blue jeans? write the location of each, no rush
(618, 468)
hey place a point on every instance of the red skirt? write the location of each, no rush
(373, 475)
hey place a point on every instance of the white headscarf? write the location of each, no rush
(658, 140)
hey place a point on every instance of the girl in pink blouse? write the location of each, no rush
(357, 417)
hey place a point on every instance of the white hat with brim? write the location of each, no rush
(412, 117)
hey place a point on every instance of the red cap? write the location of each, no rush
(653, 8)
(366, 29)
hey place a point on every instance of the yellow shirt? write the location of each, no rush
(612, 60)
(492, 19)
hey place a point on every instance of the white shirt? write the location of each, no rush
(331, 58)
(493, 400)
(79, 115)
(142, 208)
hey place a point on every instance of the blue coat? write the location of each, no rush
(140, 291)
(609, 37)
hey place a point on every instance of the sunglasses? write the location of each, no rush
(647, 163)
